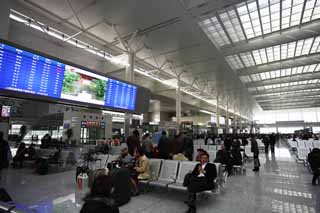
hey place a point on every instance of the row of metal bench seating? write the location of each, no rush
(171, 173)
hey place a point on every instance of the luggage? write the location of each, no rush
(42, 167)
(83, 182)
(4, 196)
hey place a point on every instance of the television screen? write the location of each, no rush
(5, 111)
(26, 72)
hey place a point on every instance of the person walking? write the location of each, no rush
(266, 142)
(255, 151)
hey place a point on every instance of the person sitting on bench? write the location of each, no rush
(201, 179)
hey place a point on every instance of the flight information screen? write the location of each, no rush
(120, 95)
(29, 73)
(26, 72)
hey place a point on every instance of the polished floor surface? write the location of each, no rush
(281, 186)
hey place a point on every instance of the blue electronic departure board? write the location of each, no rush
(26, 72)
(120, 95)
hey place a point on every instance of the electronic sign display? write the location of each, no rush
(26, 72)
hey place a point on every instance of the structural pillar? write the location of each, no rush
(217, 112)
(227, 118)
(129, 76)
(178, 102)
(4, 18)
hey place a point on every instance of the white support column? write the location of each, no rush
(235, 117)
(130, 69)
(217, 112)
(4, 18)
(227, 118)
(178, 101)
(129, 76)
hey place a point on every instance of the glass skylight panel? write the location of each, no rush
(247, 59)
(234, 61)
(306, 46)
(232, 25)
(299, 47)
(252, 89)
(315, 45)
(310, 5)
(255, 77)
(316, 11)
(214, 31)
(249, 17)
(245, 79)
(317, 68)
(287, 50)
(263, 76)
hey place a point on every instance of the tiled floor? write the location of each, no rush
(281, 186)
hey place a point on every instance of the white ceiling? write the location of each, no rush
(168, 30)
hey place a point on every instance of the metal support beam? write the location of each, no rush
(178, 101)
(285, 79)
(295, 62)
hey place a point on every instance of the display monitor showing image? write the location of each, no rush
(5, 111)
(83, 86)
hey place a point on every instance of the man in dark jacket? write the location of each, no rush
(4, 149)
(163, 146)
(314, 161)
(266, 142)
(201, 179)
(188, 147)
(133, 142)
(272, 142)
(255, 151)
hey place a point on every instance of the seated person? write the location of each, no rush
(223, 156)
(199, 153)
(20, 155)
(180, 157)
(201, 179)
(55, 157)
(99, 200)
(125, 158)
(314, 161)
(31, 151)
(141, 170)
(236, 155)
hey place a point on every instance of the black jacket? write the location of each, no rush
(99, 205)
(314, 159)
(210, 172)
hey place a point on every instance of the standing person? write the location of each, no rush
(201, 179)
(266, 142)
(163, 146)
(133, 142)
(314, 160)
(4, 150)
(147, 145)
(272, 142)
(255, 151)
(188, 147)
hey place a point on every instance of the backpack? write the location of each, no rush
(42, 167)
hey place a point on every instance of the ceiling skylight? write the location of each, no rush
(278, 52)
(282, 73)
(252, 19)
